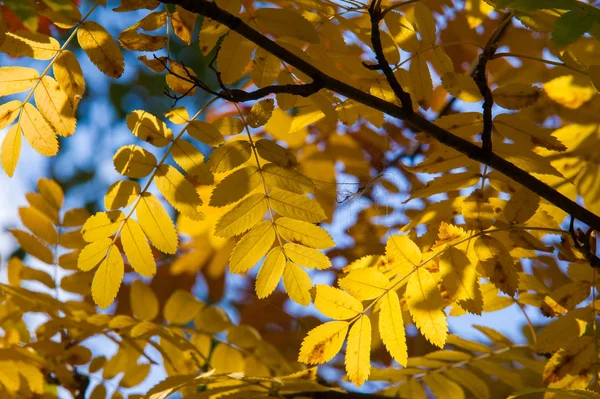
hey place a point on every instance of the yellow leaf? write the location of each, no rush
(157, 224)
(521, 207)
(41, 276)
(226, 359)
(421, 86)
(178, 115)
(364, 283)
(497, 264)
(446, 183)
(137, 249)
(323, 342)
(304, 233)
(183, 85)
(425, 304)
(443, 387)
(441, 61)
(523, 131)
(390, 50)
(205, 132)
(568, 93)
(402, 32)
(242, 217)
(30, 44)
(38, 132)
(287, 179)
(270, 272)
(101, 48)
(402, 254)
(192, 161)
(121, 194)
(297, 284)
(285, 22)
(33, 246)
(39, 224)
(307, 257)
(183, 22)
(149, 128)
(286, 101)
(144, 302)
(55, 106)
(253, 246)
(391, 327)
(52, 193)
(458, 274)
(180, 193)
(273, 152)
(233, 57)
(108, 278)
(478, 211)
(212, 319)
(9, 112)
(516, 95)
(296, 206)
(181, 307)
(69, 76)
(102, 225)
(15, 79)
(336, 304)
(358, 351)
(235, 186)
(130, 39)
(11, 149)
(477, 386)
(425, 23)
(462, 87)
(260, 113)
(93, 254)
(134, 161)
(265, 68)
(229, 156)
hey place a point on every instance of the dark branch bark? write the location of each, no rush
(413, 120)
(382, 62)
(480, 78)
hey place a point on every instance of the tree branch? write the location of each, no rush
(413, 120)
(382, 62)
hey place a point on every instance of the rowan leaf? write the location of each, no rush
(243, 216)
(391, 327)
(252, 247)
(229, 156)
(425, 23)
(134, 161)
(336, 304)
(121, 194)
(93, 254)
(108, 278)
(270, 272)
(516, 95)
(285, 22)
(181, 308)
(102, 225)
(307, 257)
(323, 342)
(55, 106)
(205, 132)
(101, 48)
(149, 128)
(29, 44)
(16, 79)
(39, 224)
(458, 274)
(11, 150)
(157, 224)
(236, 186)
(303, 233)
(497, 263)
(402, 254)
(260, 113)
(233, 57)
(69, 76)
(297, 284)
(33, 246)
(296, 206)
(425, 305)
(364, 284)
(180, 193)
(287, 179)
(137, 249)
(462, 87)
(265, 69)
(186, 155)
(37, 131)
(358, 351)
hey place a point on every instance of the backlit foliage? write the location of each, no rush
(316, 110)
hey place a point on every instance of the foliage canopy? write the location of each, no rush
(460, 136)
